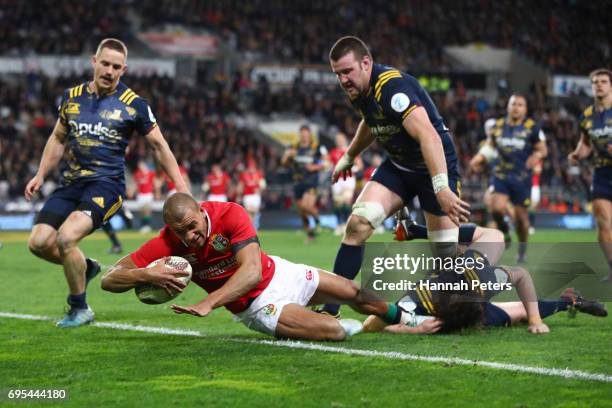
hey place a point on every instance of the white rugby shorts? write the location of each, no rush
(252, 202)
(292, 283)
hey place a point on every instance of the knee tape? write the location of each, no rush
(371, 211)
(444, 242)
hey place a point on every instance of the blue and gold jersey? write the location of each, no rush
(515, 144)
(304, 156)
(597, 126)
(99, 129)
(392, 96)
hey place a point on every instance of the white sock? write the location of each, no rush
(351, 326)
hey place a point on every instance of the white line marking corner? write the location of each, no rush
(394, 355)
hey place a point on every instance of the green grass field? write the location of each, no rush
(227, 365)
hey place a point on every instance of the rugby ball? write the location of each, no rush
(155, 295)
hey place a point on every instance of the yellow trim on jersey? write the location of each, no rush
(76, 91)
(423, 301)
(408, 111)
(588, 111)
(383, 80)
(114, 208)
(128, 96)
(474, 278)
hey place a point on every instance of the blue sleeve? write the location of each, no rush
(534, 137)
(399, 97)
(145, 120)
(61, 108)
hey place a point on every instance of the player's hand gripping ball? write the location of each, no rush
(154, 295)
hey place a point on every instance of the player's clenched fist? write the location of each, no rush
(343, 168)
(33, 186)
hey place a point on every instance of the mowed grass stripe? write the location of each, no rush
(551, 372)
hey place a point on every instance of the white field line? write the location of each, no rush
(394, 355)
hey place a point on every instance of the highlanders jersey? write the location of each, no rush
(99, 129)
(515, 144)
(597, 126)
(311, 154)
(392, 96)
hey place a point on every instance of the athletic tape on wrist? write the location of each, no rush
(440, 182)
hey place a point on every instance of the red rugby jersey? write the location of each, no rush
(229, 226)
(251, 181)
(218, 183)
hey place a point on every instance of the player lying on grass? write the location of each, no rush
(453, 311)
(267, 293)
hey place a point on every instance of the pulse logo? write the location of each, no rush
(94, 130)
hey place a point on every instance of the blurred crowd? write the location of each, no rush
(204, 126)
(407, 34)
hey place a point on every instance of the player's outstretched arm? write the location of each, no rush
(243, 280)
(166, 159)
(125, 275)
(418, 125)
(521, 280)
(52, 154)
(363, 138)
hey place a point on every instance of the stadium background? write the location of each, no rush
(232, 80)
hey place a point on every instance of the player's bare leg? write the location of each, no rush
(297, 322)
(336, 289)
(307, 206)
(521, 215)
(602, 210)
(359, 228)
(499, 207)
(375, 203)
(72, 231)
(43, 243)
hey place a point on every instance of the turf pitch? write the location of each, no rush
(100, 366)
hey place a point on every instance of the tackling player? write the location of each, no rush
(596, 137)
(421, 160)
(266, 293)
(96, 120)
(519, 145)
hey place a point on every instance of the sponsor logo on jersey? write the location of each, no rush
(400, 102)
(516, 143)
(309, 275)
(219, 242)
(601, 132)
(131, 111)
(384, 130)
(269, 310)
(97, 129)
(99, 201)
(73, 108)
(108, 115)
